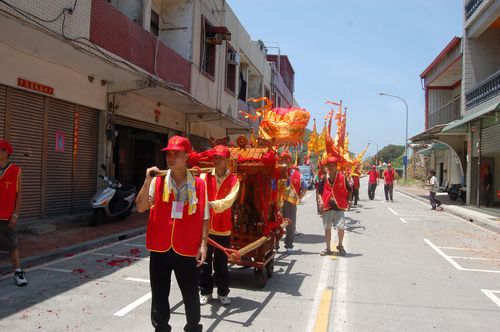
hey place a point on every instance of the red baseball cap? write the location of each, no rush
(178, 143)
(331, 160)
(4, 145)
(221, 151)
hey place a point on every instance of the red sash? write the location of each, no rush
(220, 223)
(182, 235)
(9, 182)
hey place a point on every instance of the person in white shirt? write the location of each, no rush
(435, 203)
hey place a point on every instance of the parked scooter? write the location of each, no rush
(114, 201)
(457, 191)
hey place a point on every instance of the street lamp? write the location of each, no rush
(376, 156)
(405, 160)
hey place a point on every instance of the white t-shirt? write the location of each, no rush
(434, 185)
(182, 194)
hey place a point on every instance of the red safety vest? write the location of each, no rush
(338, 191)
(182, 235)
(9, 187)
(355, 180)
(220, 223)
(295, 181)
(389, 176)
(373, 176)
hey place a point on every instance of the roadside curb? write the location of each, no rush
(458, 212)
(49, 256)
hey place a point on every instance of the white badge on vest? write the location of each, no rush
(177, 209)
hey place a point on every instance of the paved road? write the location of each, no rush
(407, 269)
(414, 269)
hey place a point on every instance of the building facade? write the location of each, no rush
(107, 82)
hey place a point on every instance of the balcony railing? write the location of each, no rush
(446, 113)
(471, 6)
(485, 90)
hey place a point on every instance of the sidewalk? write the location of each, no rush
(70, 238)
(486, 217)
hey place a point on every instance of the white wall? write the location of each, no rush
(68, 85)
(137, 107)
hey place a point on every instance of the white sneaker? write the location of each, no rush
(289, 250)
(224, 300)
(20, 279)
(204, 299)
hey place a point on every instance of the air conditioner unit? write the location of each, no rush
(233, 58)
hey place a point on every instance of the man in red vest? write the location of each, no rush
(333, 195)
(291, 191)
(388, 182)
(372, 182)
(10, 203)
(176, 234)
(355, 185)
(222, 190)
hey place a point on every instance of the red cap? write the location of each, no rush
(331, 160)
(285, 154)
(178, 143)
(4, 145)
(221, 151)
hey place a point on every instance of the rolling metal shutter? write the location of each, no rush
(26, 136)
(59, 159)
(490, 140)
(85, 169)
(3, 97)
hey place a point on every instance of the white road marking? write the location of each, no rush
(75, 256)
(119, 256)
(137, 279)
(477, 258)
(322, 284)
(395, 213)
(403, 220)
(133, 305)
(452, 262)
(134, 245)
(56, 269)
(491, 294)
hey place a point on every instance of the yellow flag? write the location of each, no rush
(312, 145)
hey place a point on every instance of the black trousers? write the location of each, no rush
(290, 211)
(355, 195)
(161, 266)
(388, 191)
(371, 190)
(218, 260)
(434, 201)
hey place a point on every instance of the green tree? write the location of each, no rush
(393, 153)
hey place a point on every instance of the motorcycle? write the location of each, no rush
(457, 191)
(113, 201)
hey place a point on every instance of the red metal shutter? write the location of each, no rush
(3, 106)
(26, 135)
(59, 160)
(86, 161)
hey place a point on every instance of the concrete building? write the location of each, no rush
(91, 82)
(475, 134)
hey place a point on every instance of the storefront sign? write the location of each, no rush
(60, 140)
(35, 86)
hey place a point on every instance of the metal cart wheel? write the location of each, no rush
(260, 278)
(269, 269)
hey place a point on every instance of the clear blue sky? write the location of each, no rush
(352, 50)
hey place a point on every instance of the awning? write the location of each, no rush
(428, 135)
(460, 126)
(433, 147)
